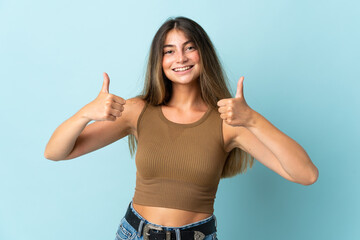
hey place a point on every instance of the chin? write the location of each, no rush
(184, 81)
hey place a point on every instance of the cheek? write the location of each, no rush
(195, 56)
(196, 59)
(166, 63)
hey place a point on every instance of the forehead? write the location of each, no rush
(175, 36)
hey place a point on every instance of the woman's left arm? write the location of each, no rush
(292, 157)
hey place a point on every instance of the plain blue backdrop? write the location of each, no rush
(301, 65)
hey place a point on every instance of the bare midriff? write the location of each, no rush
(169, 217)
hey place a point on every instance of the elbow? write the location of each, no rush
(313, 178)
(310, 182)
(49, 157)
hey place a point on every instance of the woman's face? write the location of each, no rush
(180, 58)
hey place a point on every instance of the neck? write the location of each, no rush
(186, 97)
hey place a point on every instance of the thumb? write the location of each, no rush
(106, 82)
(239, 91)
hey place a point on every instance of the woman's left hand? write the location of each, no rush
(235, 111)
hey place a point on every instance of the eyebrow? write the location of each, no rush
(170, 45)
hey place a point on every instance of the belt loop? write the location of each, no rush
(177, 231)
(215, 221)
(140, 228)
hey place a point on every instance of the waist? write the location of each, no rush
(169, 216)
(142, 227)
(174, 194)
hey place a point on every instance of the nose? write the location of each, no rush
(181, 57)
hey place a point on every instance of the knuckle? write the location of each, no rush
(109, 96)
(107, 111)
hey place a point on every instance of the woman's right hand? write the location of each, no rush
(106, 106)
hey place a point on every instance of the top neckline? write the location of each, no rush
(202, 119)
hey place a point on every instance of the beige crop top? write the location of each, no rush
(178, 165)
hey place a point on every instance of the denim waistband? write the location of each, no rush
(144, 221)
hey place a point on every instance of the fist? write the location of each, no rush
(106, 106)
(235, 111)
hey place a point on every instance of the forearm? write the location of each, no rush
(64, 137)
(290, 154)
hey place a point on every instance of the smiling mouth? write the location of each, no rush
(181, 69)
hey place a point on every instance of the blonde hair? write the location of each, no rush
(213, 83)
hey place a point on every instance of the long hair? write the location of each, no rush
(213, 82)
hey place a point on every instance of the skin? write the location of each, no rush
(185, 106)
(242, 127)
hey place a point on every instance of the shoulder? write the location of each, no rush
(132, 109)
(135, 103)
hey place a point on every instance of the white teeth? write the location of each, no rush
(182, 69)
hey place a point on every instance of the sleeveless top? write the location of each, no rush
(178, 165)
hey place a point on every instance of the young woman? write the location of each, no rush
(189, 133)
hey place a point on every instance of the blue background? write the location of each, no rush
(300, 60)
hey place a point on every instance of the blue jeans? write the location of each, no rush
(127, 232)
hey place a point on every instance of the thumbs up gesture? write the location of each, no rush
(106, 106)
(235, 111)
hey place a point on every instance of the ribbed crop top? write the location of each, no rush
(178, 165)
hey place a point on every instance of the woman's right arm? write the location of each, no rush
(64, 137)
(74, 138)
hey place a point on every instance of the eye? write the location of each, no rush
(191, 48)
(168, 52)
